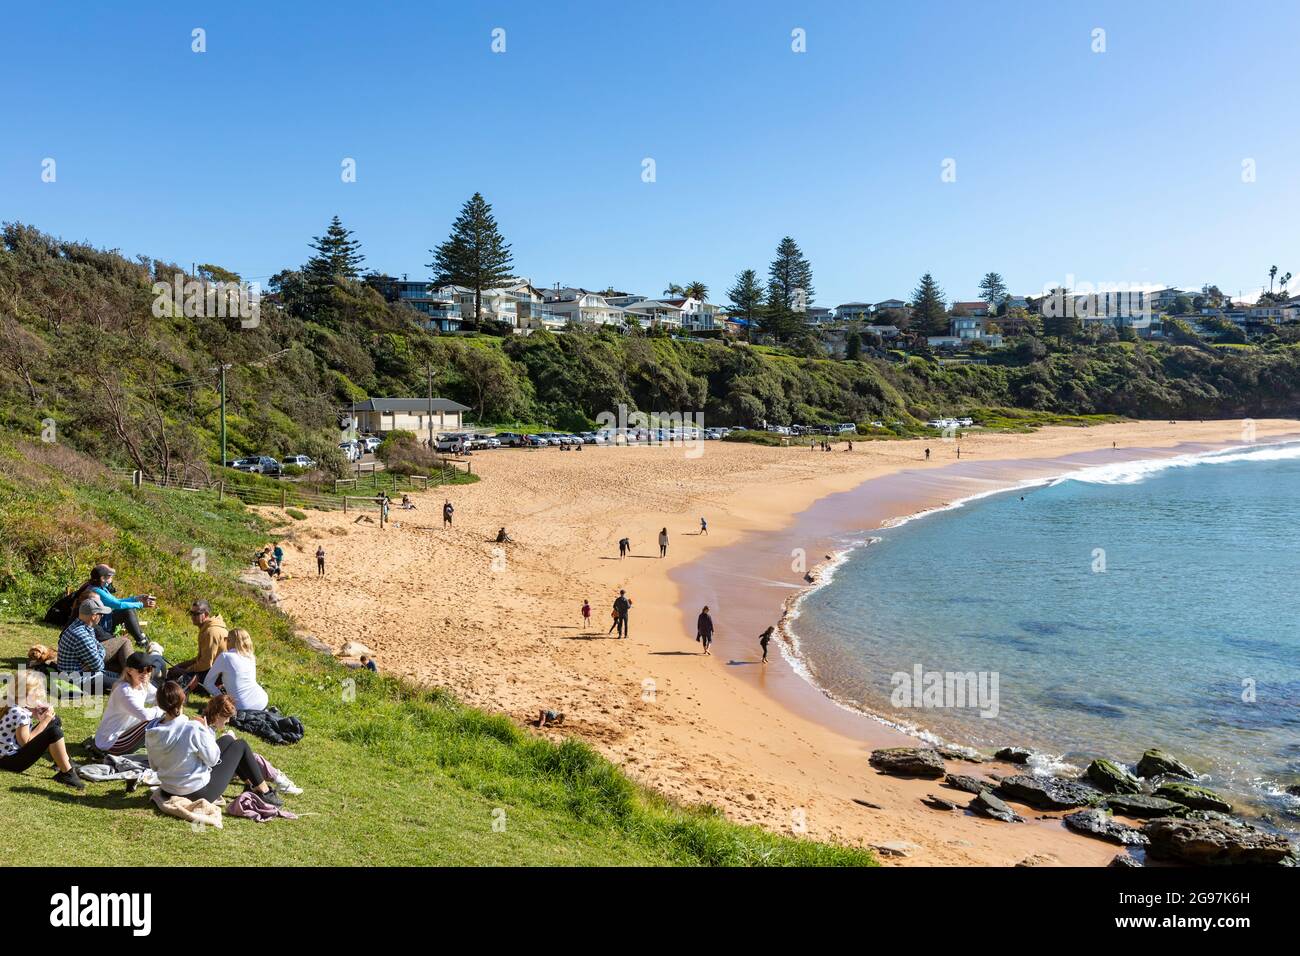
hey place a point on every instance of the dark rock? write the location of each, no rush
(987, 805)
(1047, 793)
(1294, 790)
(1197, 798)
(1214, 842)
(908, 762)
(956, 753)
(960, 781)
(1156, 762)
(1141, 805)
(1124, 859)
(1014, 755)
(867, 804)
(1098, 823)
(938, 803)
(1111, 777)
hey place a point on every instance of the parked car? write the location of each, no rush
(268, 465)
(370, 443)
(299, 461)
(349, 450)
(244, 464)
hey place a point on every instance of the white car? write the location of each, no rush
(349, 450)
(299, 461)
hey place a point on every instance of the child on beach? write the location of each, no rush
(704, 628)
(447, 511)
(704, 526)
(624, 547)
(663, 543)
(320, 561)
(764, 639)
(586, 614)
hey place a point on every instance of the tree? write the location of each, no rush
(1271, 273)
(475, 255)
(1060, 327)
(697, 290)
(746, 297)
(853, 347)
(789, 290)
(1182, 305)
(928, 312)
(675, 290)
(994, 290)
(338, 256)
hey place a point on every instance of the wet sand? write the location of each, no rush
(500, 626)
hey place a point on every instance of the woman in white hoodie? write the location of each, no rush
(130, 709)
(236, 669)
(191, 762)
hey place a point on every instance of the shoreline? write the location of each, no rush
(435, 608)
(823, 574)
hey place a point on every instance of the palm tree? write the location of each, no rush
(696, 290)
(674, 289)
(1271, 272)
(1281, 283)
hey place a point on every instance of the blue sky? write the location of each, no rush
(1122, 166)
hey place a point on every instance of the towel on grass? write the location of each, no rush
(250, 805)
(191, 811)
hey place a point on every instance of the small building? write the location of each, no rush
(378, 416)
(978, 309)
(854, 312)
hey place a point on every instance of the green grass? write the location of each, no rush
(393, 774)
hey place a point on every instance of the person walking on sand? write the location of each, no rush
(704, 629)
(927, 454)
(624, 548)
(586, 615)
(320, 561)
(704, 526)
(764, 639)
(447, 511)
(622, 605)
(663, 543)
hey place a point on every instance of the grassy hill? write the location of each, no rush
(395, 776)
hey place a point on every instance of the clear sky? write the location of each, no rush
(1119, 166)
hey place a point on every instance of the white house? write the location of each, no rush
(650, 312)
(582, 307)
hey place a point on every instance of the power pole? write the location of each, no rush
(430, 406)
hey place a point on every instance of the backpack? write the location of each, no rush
(63, 610)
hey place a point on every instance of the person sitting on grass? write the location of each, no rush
(235, 672)
(120, 610)
(368, 664)
(546, 716)
(22, 742)
(131, 708)
(212, 641)
(191, 762)
(83, 658)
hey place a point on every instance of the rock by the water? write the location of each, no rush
(1124, 859)
(908, 761)
(938, 803)
(1098, 823)
(1040, 859)
(1294, 790)
(1014, 755)
(959, 781)
(1111, 777)
(1156, 762)
(987, 805)
(1047, 793)
(957, 753)
(1197, 798)
(1142, 805)
(1214, 842)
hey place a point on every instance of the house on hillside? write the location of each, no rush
(582, 307)
(979, 309)
(440, 311)
(378, 416)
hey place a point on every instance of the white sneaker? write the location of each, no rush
(155, 648)
(285, 785)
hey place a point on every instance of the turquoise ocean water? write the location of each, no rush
(1126, 606)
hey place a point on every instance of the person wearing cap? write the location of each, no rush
(131, 707)
(81, 651)
(212, 641)
(120, 610)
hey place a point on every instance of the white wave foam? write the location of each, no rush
(1132, 472)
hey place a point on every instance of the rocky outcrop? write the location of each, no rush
(1143, 805)
(1155, 763)
(908, 762)
(1214, 842)
(959, 781)
(1098, 823)
(1014, 755)
(1111, 777)
(987, 805)
(959, 753)
(895, 848)
(1124, 859)
(1047, 793)
(1194, 797)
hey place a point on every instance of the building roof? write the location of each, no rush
(408, 405)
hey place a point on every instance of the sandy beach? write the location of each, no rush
(500, 625)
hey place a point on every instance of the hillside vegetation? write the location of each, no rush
(83, 354)
(394, 775)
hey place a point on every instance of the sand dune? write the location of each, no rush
(500, 625)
